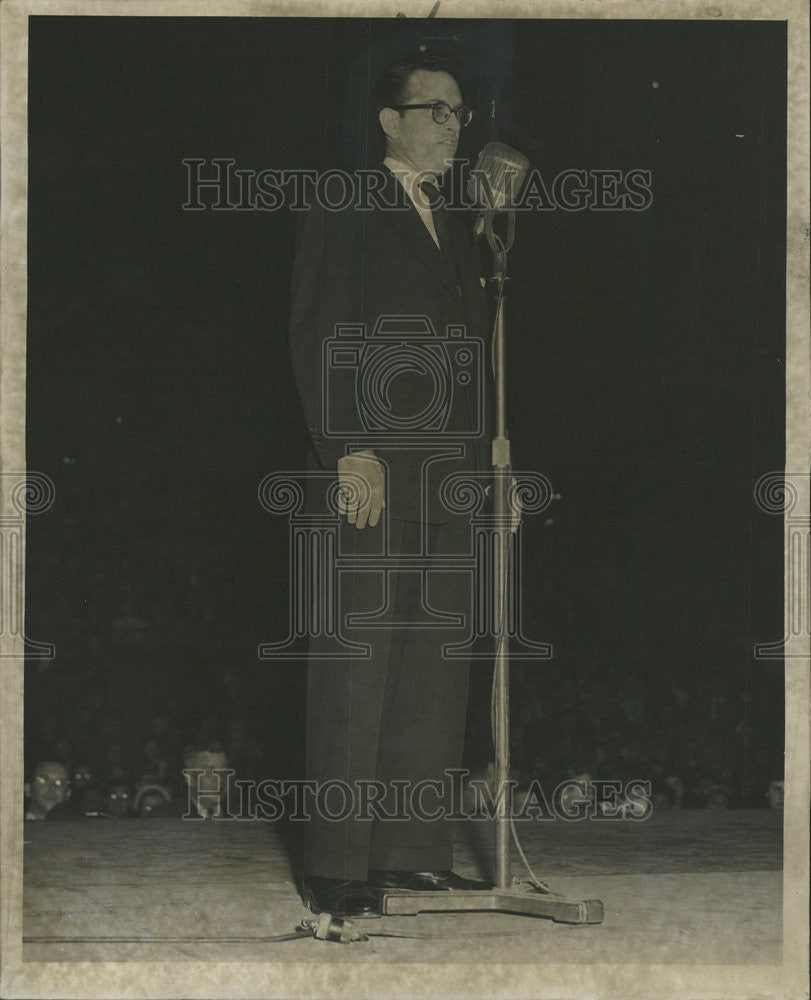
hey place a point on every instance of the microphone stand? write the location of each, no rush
(507, 896)
(502, 466)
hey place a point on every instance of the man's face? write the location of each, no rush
(82, 776)
(118, 800)
(419, 141)
(50, 786)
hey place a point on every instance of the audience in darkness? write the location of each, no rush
(107, 722)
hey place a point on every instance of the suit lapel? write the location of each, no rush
(407, 222)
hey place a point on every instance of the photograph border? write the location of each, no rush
(359, 979)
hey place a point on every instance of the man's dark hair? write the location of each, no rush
(392, 83)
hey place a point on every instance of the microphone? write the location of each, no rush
(496, 180)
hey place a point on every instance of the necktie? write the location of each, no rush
(431, 191)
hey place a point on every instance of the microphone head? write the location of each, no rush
(497, 177)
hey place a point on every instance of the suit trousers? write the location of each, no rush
(396, 717)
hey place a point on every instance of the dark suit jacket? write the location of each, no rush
(410, 377)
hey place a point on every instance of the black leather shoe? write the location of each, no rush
(426, 881)
(340, 897)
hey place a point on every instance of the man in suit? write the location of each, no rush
(395, 402)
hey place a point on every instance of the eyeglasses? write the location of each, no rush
(440, 111)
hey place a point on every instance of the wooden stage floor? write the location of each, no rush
(690, 888)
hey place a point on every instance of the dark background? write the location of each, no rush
(646, 365)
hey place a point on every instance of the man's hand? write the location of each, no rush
(360, 488)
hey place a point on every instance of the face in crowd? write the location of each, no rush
(82, 777)
(50, 787)
(118, 800)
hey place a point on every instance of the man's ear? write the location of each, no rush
(389, 121)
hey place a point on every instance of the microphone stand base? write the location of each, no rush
(403, 902)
